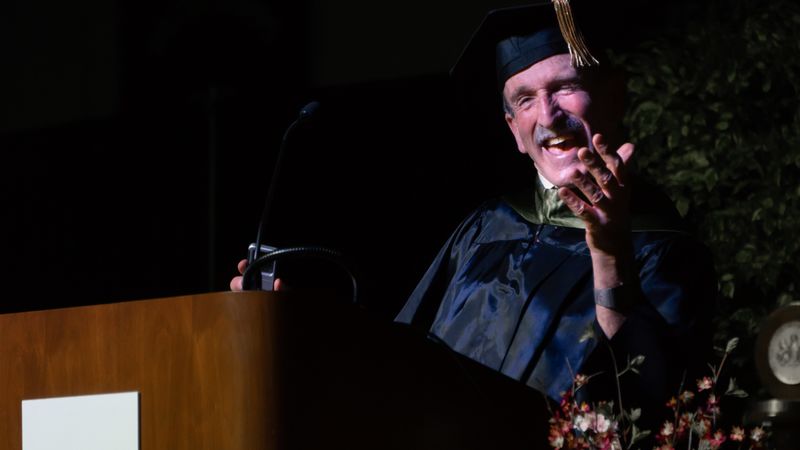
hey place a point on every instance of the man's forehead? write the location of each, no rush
(552, 70)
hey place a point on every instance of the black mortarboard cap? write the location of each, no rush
(512, 39)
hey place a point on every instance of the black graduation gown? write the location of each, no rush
(517, 297)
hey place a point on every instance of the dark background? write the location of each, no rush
(138, 140)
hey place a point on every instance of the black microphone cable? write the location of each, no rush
(250, 275)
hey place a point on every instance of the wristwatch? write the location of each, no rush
(620, 298)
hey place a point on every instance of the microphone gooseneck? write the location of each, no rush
(306, 112)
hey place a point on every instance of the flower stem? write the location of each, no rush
(689, 447)
(616, 379)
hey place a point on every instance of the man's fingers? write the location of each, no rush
(626, 152)
(578, 207)
(611, 161)
(615, 161)
(587, 186)
(598, 170)
(236, 284)
(277, 285)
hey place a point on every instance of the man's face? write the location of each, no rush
(553, 115)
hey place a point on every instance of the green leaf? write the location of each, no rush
(635, 414)
(744, 257)
(784, 299)
(738, 393)
(731, 346)
(682, 206)
(741, 118)
(734, 391)
(728, 289)
(639, 436)
(588, 333)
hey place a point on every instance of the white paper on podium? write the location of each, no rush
(87, 422)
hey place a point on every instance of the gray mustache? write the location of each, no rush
(570, 125)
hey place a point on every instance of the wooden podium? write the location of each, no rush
(256, 370)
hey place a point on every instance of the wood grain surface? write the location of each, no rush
(202, 365)
(271, 371)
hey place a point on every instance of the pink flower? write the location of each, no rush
(556, 439)
(585, 421)
(684, 423)
(705, 383)
(668, 429)
(687, 397)
(566, 404)
(737, 434)
(580, 380)
(602, 424)
(757, 434)
(717, 440)
(702, 426)
(712, 404)
(604, 441)
(579, 443)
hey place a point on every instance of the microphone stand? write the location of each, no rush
(305, 113)
(262, 258)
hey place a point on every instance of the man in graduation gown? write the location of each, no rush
(591, 266)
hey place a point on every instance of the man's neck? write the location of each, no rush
(545, 182)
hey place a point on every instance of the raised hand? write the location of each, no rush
(605, 189)
(604, 207)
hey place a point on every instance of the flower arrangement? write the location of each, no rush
(693, 424)
(595, 427)
(695, 414)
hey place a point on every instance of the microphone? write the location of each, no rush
(262, 258)
(307, 111)
(257, 249)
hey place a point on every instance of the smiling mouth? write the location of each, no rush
(561, 143)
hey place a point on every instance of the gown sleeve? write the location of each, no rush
(670, 326)
(421, 308)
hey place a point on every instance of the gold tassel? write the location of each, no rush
(579, 53)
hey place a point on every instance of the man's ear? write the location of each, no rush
(512, 125)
